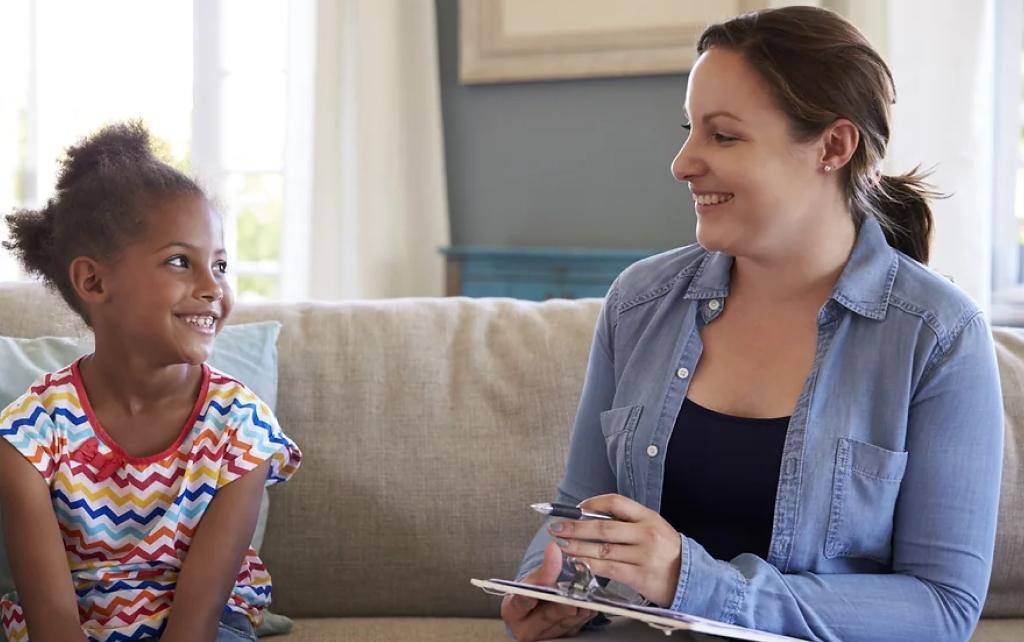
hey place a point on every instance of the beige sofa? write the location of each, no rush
(428, 426)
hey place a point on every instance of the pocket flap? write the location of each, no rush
(617, 420)
(874, 461)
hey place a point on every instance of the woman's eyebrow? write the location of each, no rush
(713, 114)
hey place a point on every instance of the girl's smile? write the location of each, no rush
(204, 323)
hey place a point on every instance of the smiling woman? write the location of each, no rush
(795, 423)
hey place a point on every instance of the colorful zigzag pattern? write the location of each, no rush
(127, 523)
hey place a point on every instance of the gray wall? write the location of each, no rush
(582, 163)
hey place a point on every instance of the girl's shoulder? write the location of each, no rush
(228, 395)
(49, 391)
(226, 385)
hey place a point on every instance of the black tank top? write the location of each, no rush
(721, 474)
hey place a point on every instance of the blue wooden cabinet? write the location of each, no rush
(535, 273)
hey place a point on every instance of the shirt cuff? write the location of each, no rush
(707, 587)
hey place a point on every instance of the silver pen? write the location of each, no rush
(568, 512)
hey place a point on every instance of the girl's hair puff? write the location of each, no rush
(107, 187)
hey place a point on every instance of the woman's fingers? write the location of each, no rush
(597, 530)
(624, 553)
(549, 620)
(622, 508)
(569, 625)
(638, 548)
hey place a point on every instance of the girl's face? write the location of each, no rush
(167, 293)
(756, 190)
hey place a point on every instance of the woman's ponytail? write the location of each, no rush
(900, 204)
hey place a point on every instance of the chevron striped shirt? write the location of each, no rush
(127, 522)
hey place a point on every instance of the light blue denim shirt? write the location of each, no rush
(885, 514)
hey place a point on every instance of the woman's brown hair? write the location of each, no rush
(820, 68)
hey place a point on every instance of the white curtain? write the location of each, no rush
(379, 199)
(942, 56)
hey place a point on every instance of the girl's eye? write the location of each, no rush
(178, 261)
(222, 266)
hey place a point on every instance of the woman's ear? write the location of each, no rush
(839, 142)
(86, 276)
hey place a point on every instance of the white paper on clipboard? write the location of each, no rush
(661, 619)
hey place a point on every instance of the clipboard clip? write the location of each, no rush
(584, 585)
(581, 585)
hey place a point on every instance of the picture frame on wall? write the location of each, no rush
(529, 40)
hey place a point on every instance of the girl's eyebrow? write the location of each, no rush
(189, 246)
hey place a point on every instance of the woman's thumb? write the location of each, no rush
(551, 567)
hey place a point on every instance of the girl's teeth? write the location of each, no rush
(202, 322)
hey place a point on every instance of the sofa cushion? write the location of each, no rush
(428, 427)
(1006, 590)
(420, 629)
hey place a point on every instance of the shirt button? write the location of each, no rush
(714, 304)
(682, 373)
(652, 451)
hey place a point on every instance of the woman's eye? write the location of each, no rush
(222, 266)
(178, 261)
(724, 138)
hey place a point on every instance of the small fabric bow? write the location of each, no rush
(89, 454)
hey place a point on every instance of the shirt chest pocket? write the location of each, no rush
(865, 488)
(618, 426)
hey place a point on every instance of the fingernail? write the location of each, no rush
(562, 542)
(557, 527)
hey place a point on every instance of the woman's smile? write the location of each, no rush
(707, 201)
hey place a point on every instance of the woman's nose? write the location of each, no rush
(686, 165)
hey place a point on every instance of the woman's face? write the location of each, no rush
(756, 190)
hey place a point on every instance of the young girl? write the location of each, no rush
(130, 481)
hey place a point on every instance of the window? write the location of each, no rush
(210, 79)
(1008, 228)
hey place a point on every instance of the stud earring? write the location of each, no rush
(828, 168)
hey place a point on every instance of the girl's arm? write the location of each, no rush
(36, 551)
(214, 559)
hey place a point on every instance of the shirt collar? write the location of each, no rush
(864, 287)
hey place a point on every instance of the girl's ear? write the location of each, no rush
(87, 280)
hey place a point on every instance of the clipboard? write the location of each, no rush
(662, 619)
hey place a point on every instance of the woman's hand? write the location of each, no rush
(640, 549)
(529, 619)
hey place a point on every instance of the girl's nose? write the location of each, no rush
(209, 288)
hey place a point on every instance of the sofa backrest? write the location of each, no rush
(427, 427)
